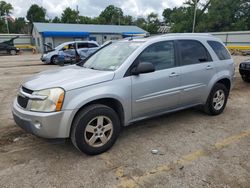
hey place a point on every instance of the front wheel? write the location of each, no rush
(54, 59)
(95, 129)
(217, 100)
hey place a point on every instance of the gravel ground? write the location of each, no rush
(195, 150)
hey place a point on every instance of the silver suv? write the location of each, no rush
(126, 81)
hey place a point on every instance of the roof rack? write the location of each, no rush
(186, 34)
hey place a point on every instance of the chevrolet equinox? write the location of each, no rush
(124, 82)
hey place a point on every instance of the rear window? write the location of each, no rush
(91, 45)
(220, 50)
(82, 45)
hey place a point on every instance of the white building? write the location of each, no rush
(55, 33)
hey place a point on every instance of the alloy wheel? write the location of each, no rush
(98, 131)
(218, 99)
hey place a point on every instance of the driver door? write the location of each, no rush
(158, 91)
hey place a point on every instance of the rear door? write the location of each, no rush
(197, 69)
(82, 49)
(3, 48)
(157, 91)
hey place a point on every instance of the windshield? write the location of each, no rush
(59, 47)
(111, 56)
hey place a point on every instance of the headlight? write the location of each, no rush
(242, 65)
(52, 103)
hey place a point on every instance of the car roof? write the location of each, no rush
(173, 36)
(79, 41)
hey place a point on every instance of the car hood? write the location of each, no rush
(68, 78)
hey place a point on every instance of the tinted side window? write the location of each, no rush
(193, 52)
(160, 54)
(91, 45)
(220, 50)
(82, 45)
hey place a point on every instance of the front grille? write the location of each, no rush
(22, 101)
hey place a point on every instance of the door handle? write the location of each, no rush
(209, 67)
(173, 74)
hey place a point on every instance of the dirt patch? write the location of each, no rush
(8, 136)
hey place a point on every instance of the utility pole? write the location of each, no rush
(6, 21)
(77, 19)
(194, 20)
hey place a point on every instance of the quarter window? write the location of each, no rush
(193, 52)
(160, 54)
(220, 50)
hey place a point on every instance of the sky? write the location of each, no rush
(92, 8)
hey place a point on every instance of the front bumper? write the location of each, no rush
(244, 72)
(45, 125)
(45, 59)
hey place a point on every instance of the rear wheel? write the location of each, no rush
(12, 52)
(217, 100)
(95, 129)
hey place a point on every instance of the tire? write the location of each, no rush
(12, 52)
(246, 79)
(54, 59)
(217, 99)
(91, 142)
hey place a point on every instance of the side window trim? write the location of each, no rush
(179, 53)
(135, 62)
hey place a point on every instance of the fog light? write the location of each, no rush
(38, 125)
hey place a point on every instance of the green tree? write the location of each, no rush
(111, 15)
(233, 15)
(36, 14)
(141, 22)
(85, 20)
(167, 15)
(153, 23)
(212, 15)
(70, 16)
(56, 20)
(18, 26)
(127, 20)
(5, 8)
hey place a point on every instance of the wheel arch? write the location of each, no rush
(113, 103)
(218, 79)
(55, 55)
(226, 82)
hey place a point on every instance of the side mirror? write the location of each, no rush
(143, 67)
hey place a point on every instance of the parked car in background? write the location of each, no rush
(244, 70)
(7, 47)
(85, 48)
(126, 81)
